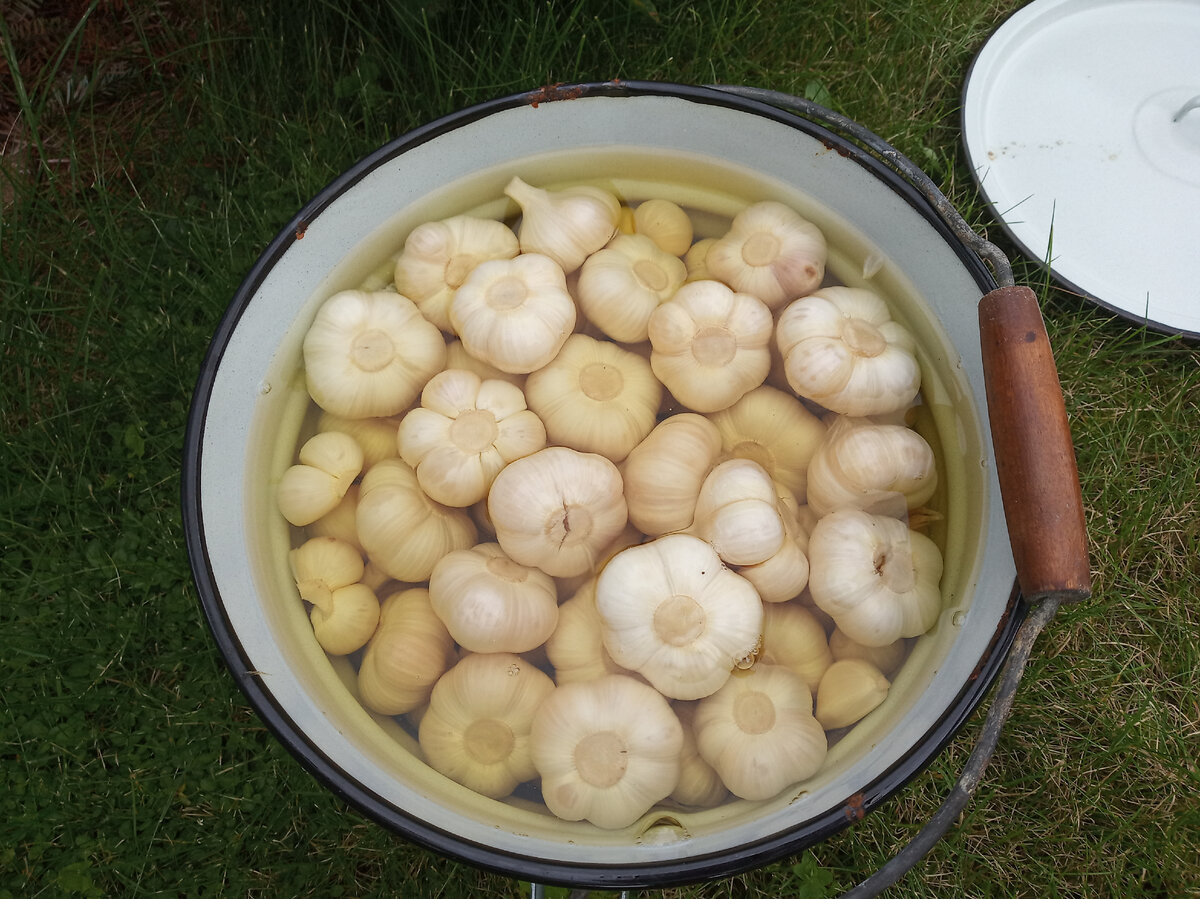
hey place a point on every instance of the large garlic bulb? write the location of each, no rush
(710, 345)
(409, 651)
(875, 577)
(759, 733)
(607, 750)
(595, 397)
(514, 314)
(368, 354)
(770, 251)
(403, 531)
(738, 512)
(842, 349)
(884, 469)
(465, 430)
(664, 472)
(622, 284)
(674, 614)
(567, 225)
(476, 729)
(558, 510)
(438, 256)
(489, 603)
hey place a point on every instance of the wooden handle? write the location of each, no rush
(1035, 458)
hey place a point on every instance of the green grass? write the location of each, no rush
(152, 150)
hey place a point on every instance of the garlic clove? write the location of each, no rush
(567, 225)
(321, 565)
(849, 690)
(514, 314)
(771, 252)
(328, 464)
(794, 637)
(595, 397)
(438, 256)
(347, 620)
(666, 223)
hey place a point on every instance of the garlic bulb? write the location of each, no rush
(607, 750)
(737, 511)
(438, 256)
(759, 733)
(849, 689)
(557, 509)
(664, 222)
(403, 531)
(699, 784)
(576, 648)
(476, 729)
(674, 614)
(466, 430)
(489, 603)
(567, 225)
(695, 260)
(887, 659)
(710, 345)
(770, 251)
(842, 349)
(664, 472)
(514, 313)
(622, 284)
(410, 650)
(875, 577)
(795, 639)
(368, 355)
(784, 574)
(595, 397)
(882, 469)
(774, 429)
(376, 437)
(328, 464)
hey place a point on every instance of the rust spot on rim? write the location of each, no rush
(301, 231)
(854, 810)
(551, 92)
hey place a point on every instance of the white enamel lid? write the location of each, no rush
(1080, 129)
